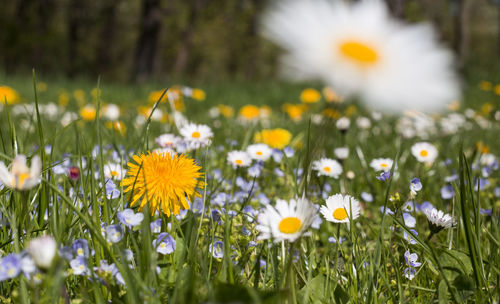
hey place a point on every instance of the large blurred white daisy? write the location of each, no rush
(360, 50)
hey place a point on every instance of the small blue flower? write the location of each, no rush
(10, 266)
(415, 185)
(277, 155)
(289, 152)
(156, 226)
(367, 197)
(447, 192)
(485, 211)
(217, 249)
(81, 247)
(79, 265)
(408, 237)
(114, 233)
(129, 218)
(386, 211)
(164, 244)
(384, 176)
(111, 190)
(333, 240)
(410, 221)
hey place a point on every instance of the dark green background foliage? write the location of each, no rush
(162, 39)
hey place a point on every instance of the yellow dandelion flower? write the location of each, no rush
(294, 111)
(331, 95)
(88, 112)
(249, 112)
(310, 95)
(225, 110)
(164, 180)
(331, 113)
(41, 86)
(198, 94)
(274, 138)
(485, 85)
(497, 89)
(265, 112)
(79, 95)
(117, 126)
(179, 105)
(351, 110)
(487, 108)
(63, 99)
(8, 94)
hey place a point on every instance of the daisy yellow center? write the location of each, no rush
(114, 173)
(424, 153)
(258, 153)
(238, 162)
(359, 52)
(196, 134)
(290, 225)
(20, 179)
(383, 165)
(340, 214)
(327, 169)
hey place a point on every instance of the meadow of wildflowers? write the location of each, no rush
(184, 196)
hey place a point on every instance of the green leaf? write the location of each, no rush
(314, 289)
(465, 287)
(443, 292)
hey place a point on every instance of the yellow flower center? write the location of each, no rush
(196, 134)
(340, 214)
(238, 162)
(20, 179)
(424, 153)
(79, 251)
(360, 53)
(290, 225)
(114, 173)
(327, 169)
(383, 165)
(258, 153)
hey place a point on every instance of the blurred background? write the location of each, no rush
(142, 40)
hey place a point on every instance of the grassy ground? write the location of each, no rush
(458, 264)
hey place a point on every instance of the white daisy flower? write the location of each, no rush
(438, 219)
(114, 171)
(341, 153)
(381, 164)
(111, 112)
(20, 177)
(286, 221)
(167, 140)
(239, 159)
(341, 208)
(197, 135)
(328, 167)
(259, 152)
(360, 50)
(424, 152)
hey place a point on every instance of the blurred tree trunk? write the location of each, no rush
(107, 36)
(148, 40)
(45, 9)
(75, 21)
(462, 30)
(397, 8)
(181, 60)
